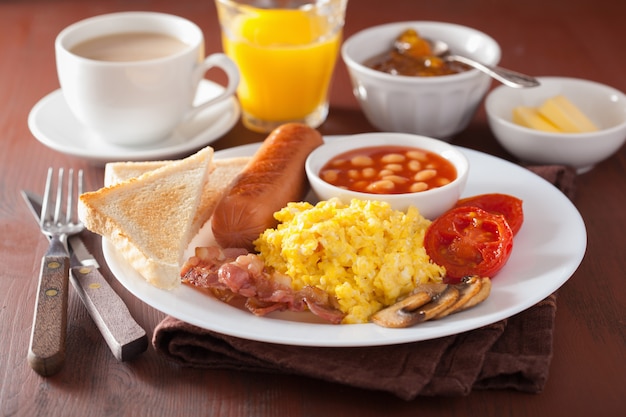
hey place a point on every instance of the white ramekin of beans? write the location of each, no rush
(400, 168)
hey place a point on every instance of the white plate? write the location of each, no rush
(53, 124)
(547, 250)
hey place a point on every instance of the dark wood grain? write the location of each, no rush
(578, 38)
(46, 354)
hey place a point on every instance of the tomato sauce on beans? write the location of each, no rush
(388, 170)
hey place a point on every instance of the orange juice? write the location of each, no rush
(286, 59)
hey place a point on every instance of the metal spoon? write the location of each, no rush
(505, 76)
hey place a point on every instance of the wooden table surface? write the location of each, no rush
(578, 38)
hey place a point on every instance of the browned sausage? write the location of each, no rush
(274, 177)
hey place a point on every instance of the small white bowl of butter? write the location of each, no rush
(564, 121)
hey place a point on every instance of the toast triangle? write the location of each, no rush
(149, 219)
(218, 182)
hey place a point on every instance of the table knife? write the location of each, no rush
(123, 335)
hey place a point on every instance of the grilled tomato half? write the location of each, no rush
(469, 241)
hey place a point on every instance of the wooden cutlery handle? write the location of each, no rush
(125, 337)
(46, 353)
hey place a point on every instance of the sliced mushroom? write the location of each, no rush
(434, 301)
(431, 288)
(440, 303)
(468, 289)
(485, 290)
(407, 312)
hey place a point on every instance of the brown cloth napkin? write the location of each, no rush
(562, 177)
(514, 353)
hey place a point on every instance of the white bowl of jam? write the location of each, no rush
(437, 106)
(400, 168)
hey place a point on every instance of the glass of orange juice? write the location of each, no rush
(286, 53)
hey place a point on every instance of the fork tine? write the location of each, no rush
(73, 190)
(81, 181)
(70, 196)
(47, 195)
(59, 200)
(61, 209)
(81, 184)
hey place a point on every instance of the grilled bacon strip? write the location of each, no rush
(231, 274)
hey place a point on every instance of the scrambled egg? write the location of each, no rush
(365, 253)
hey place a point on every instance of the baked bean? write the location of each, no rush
(381, 186)
(362, 161)
(418, 186)
(425, 175)
(330, 175)
(369, 172)
(396, 179)
(392, 158)
(388, 170)
(338, 162)
(394, 167)
(414, 165)
(415, 154)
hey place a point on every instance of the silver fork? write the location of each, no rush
(46, 353)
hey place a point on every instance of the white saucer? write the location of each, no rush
(53, 124)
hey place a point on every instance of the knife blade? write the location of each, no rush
(124, 336)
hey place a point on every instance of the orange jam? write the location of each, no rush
(411, 55)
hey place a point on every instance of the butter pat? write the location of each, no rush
(563, 114)
(557, 114)
(530, 117)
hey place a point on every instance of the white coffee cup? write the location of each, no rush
(140, 101)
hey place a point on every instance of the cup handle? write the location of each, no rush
(232, 72)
